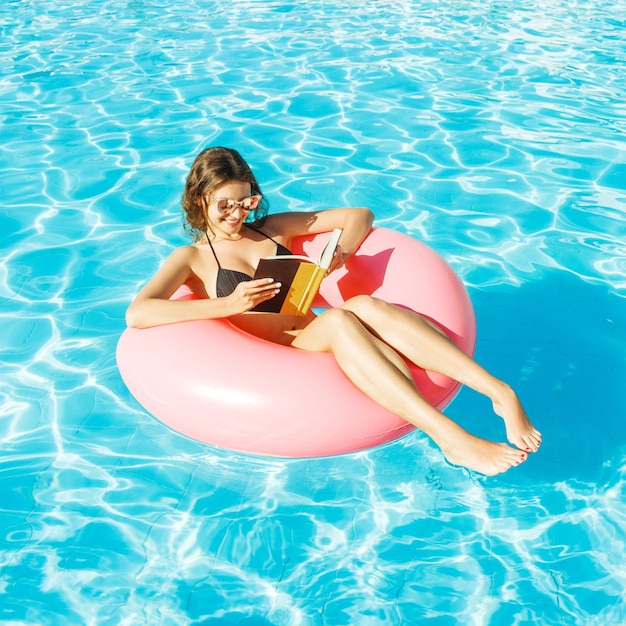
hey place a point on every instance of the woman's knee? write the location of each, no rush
(364, 306)
(326, 331)
(379, 314)
(339, 318)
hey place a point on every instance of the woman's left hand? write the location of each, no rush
(339, 259)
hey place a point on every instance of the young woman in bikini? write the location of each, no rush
(227, 216)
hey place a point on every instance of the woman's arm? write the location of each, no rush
(356, 224)
(152, 306)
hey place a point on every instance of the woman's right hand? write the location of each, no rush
(249, 293)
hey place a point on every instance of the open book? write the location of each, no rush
(300, 279)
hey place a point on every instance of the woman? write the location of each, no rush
(226, 214)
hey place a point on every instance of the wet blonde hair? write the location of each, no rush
(211, 169)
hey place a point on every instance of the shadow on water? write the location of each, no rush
(557, 341)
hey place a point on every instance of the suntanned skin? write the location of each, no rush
(365, 335)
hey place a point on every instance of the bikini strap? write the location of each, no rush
(213, 250)
(256, 230)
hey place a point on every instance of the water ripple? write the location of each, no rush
(493, 132)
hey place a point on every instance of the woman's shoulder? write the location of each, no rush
(274, 218)
(184, 255)
(287, 224)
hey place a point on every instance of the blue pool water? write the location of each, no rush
(495, 132)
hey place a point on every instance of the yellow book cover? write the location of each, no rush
(300, 279)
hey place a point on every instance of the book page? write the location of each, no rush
(326, 257)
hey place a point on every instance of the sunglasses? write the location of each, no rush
(228, 205)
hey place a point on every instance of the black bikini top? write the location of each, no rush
(227, 280)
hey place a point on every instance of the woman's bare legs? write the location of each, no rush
(426, 345)
(378, 370)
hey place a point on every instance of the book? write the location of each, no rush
(300, 278)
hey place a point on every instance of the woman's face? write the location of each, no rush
(224, 212)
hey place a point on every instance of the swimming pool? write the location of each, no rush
(494, 132)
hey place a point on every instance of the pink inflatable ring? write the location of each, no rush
(217, 384)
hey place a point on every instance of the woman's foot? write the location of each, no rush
(481, 455)
(519, 429)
